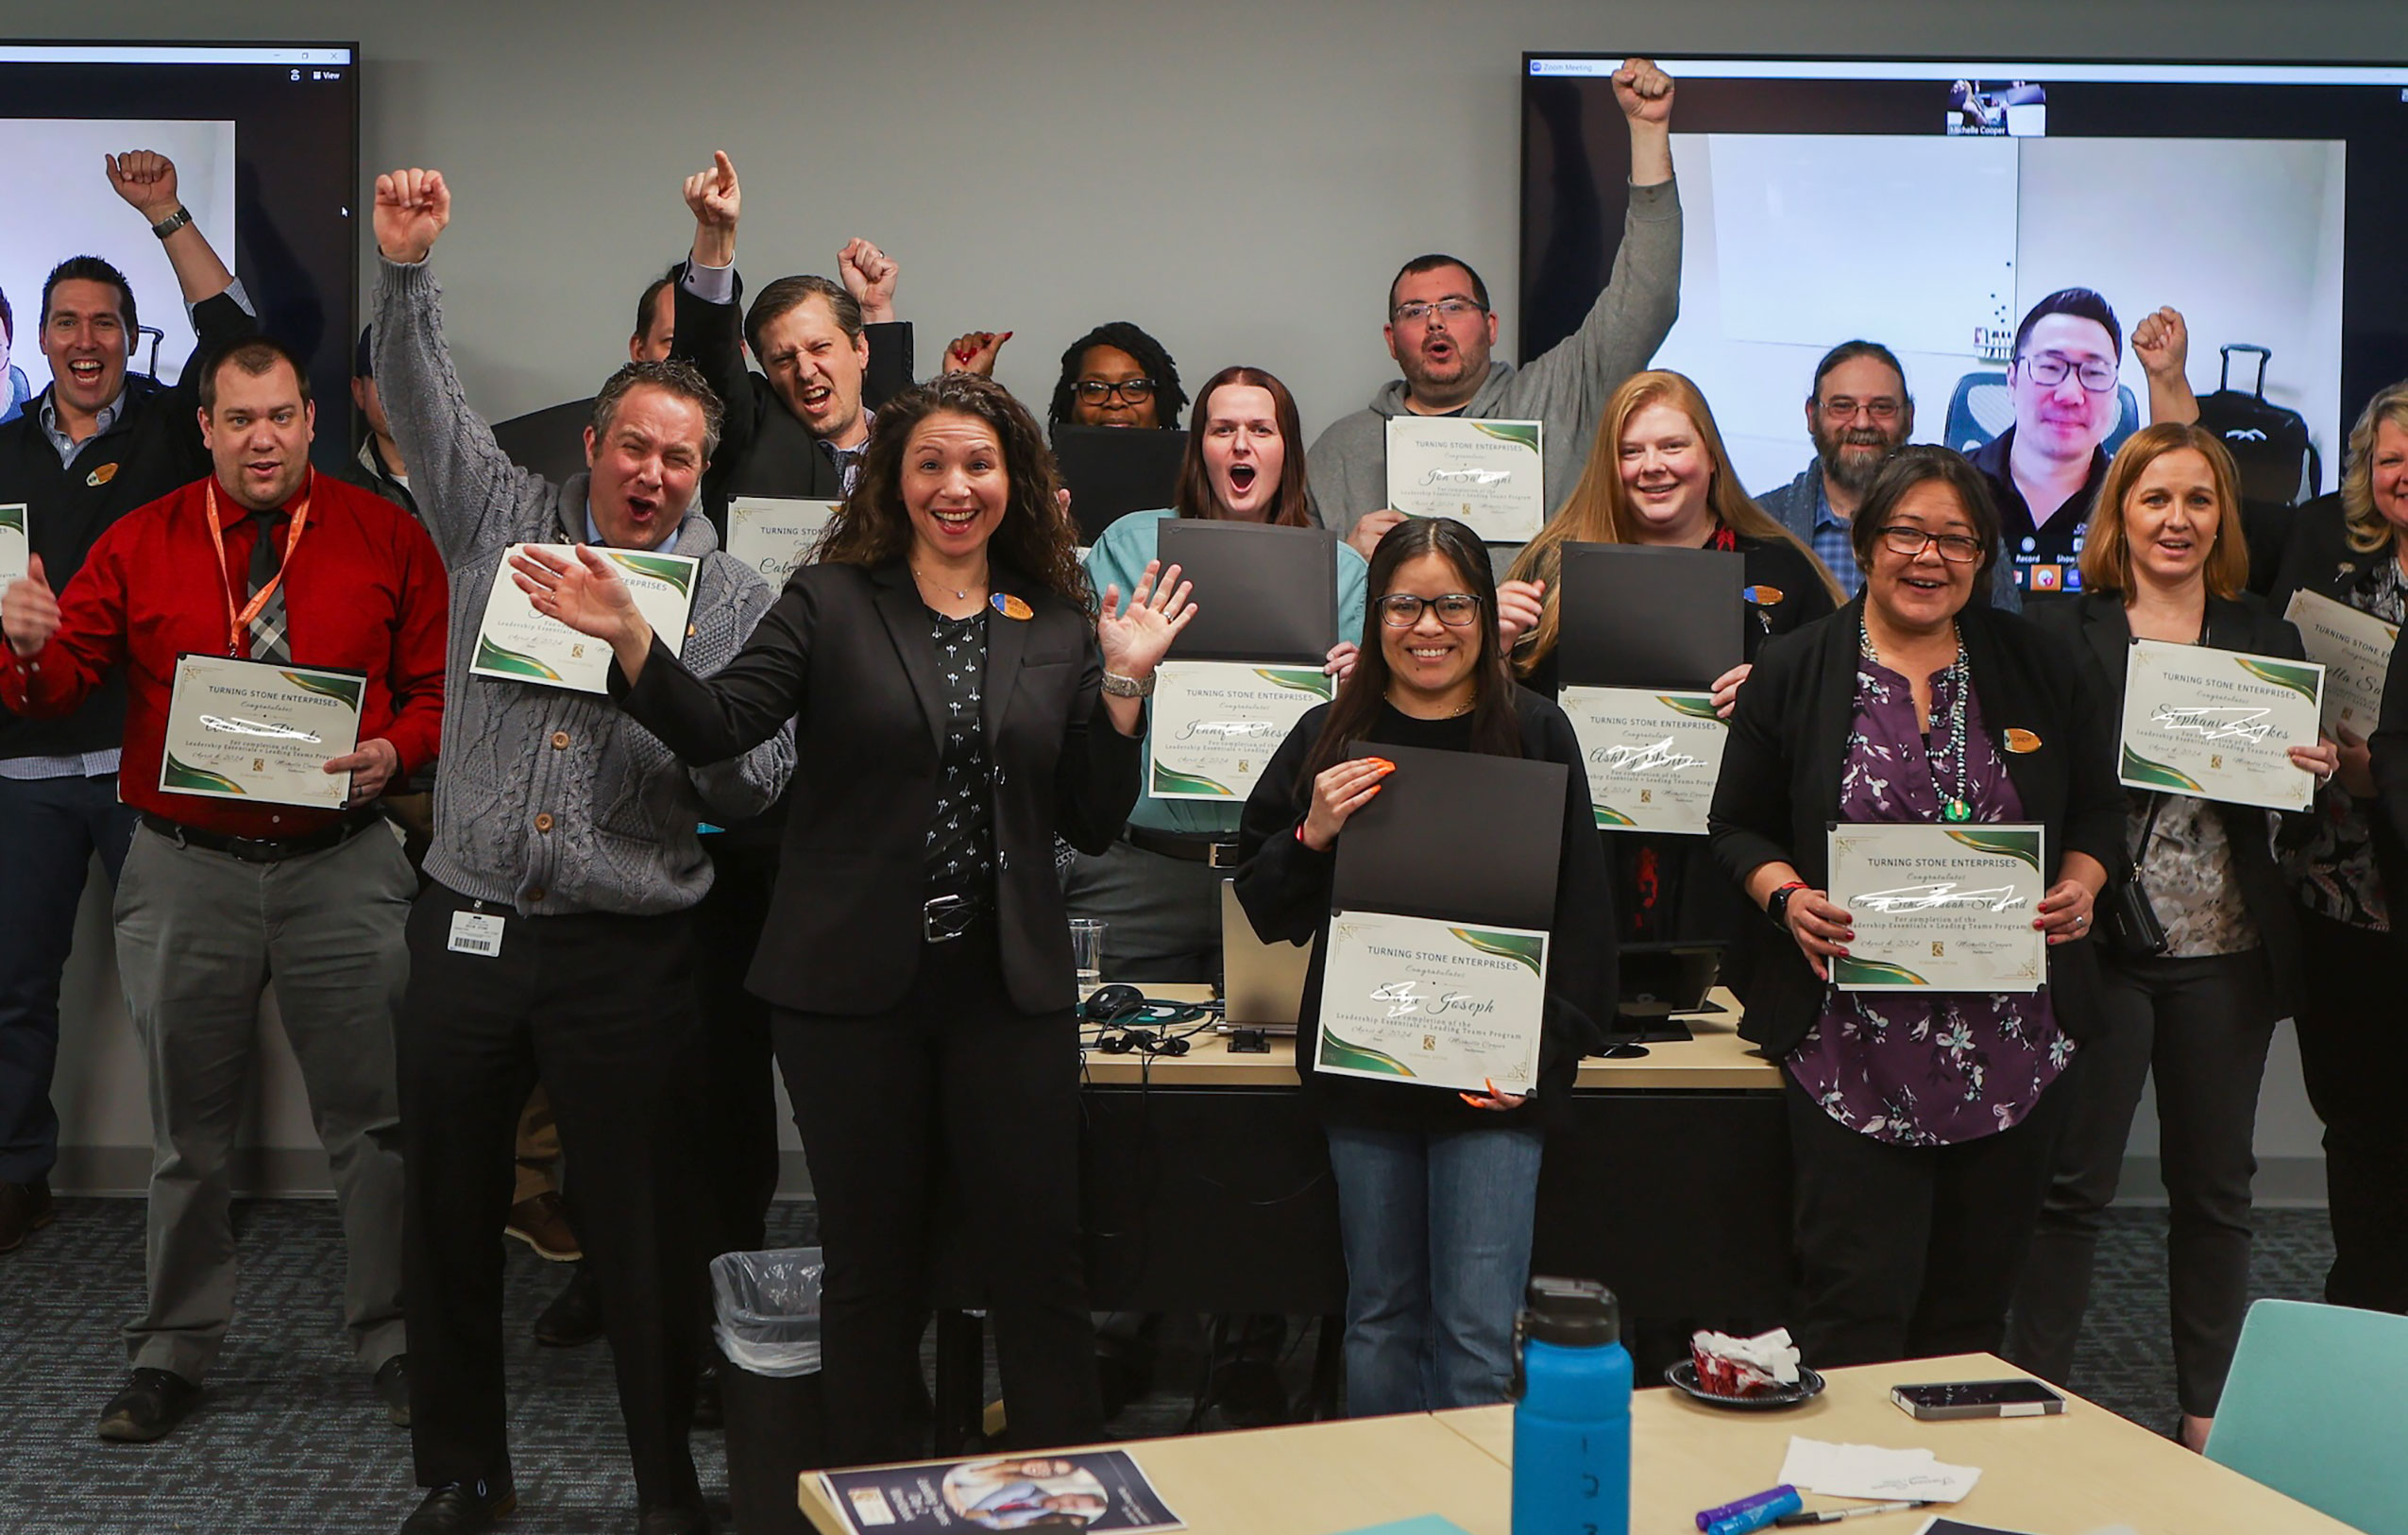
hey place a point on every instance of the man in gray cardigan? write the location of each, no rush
(1440, 330)
(555, 941)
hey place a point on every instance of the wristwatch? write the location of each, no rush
(1121, 687)
(1777, 905)
(177, 220)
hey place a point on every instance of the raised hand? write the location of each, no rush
(411, 208)
(1135, 638)
(1337, 793)
(974, 352)
(585, 594)
(714, 195)
(868, 275)
(146, 179)
(1643, 91)
(2163, 343)
(29, 610)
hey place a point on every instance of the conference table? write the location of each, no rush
(2087, 1470)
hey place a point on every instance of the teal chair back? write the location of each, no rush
(2312, 1409)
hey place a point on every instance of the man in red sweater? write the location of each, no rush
(264, 560)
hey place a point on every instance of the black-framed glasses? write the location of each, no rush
(1956, 548)
(1456, 609)
(1449, 310)
(2049, 370)
(1095, 391)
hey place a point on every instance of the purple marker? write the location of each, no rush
(1711, 1517)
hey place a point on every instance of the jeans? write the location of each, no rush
(1436, 1228)
(49, 828)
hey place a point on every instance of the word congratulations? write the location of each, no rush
(1931, 898)
(2234, 721)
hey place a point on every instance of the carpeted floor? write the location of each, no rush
(290, 1438)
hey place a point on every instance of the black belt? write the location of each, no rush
(1184, 845)
(262, 850)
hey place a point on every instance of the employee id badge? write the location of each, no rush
(475, 932)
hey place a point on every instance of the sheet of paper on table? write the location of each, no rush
(1871, 1471)
(1428, 1523)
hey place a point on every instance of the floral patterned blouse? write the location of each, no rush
(1945, 1068)
(2334, 868)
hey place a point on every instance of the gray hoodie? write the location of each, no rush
(1566, 387)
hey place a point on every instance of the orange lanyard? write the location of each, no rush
(237, 623)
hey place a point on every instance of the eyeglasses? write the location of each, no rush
(2049, 369)
(1956, 548)
(1844, 408)
(1095, 391)
(1403, 609)
(1449, 310)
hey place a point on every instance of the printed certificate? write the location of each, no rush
(15, 552)
(2353, 648)
(260, 731)
(1652, 757)
(520, 645)
(1215, 724)
(1941, 908)
(2219, 724)
(1490, 475)
(773, 535)
(1408, 999)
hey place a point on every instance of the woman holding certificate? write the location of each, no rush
(2164, 560)
(1436, 1189)
(2342, 578)
(941, 661)
(1157, 888)
(1658, 475)
(1963, 747)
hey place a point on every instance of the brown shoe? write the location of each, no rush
(542, 1223)
(23, 1207)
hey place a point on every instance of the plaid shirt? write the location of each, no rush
(1832, 543)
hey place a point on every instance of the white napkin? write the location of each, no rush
(1870, 1471)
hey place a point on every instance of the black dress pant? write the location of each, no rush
(736, 1146)
(2353, 1050)
(1909, 1252)
(600, 1009)
(953, 1107)
(2201, 1026)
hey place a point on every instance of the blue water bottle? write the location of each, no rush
(1571, 1413)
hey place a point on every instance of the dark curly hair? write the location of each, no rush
(1034, 540)
(1169, 399)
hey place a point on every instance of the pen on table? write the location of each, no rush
(1832, 1516)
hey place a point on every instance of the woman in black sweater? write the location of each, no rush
(1437, 1190)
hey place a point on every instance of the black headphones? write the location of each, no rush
(1119, 1009)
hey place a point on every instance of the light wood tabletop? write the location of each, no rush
(2083, 1470)
(1718, 1058)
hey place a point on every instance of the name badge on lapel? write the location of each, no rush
(1764, 596)
(101, 476)
(1012, 607)
(2021, 742)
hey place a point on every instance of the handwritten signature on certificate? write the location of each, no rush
(2236, 722)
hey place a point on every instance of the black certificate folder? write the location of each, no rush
(1262, 594)
(1636, 617)
(1113, 471)
(1455, 837)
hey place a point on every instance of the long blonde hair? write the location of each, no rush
(1599, 511)
(2368, 531)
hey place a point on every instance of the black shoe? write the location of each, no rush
(672, 1521)
(709, 1411)
(23, 1208)
(1250, 1394)
(153, 1403)
(460, 1506)
(574, 1316)
(393, 1386)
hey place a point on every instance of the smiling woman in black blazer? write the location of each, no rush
(1920, 1123)
(942, 665)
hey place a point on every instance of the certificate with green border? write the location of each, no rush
(1490, 475)
(771, 535)
(1214, 725)
(1652, 757)
(1941, 908)
(262, 731)
(15, 552)
(2353, 648)
(2219, 724)
(518, 645)
(1443, 1004)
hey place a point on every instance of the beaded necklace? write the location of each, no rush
(1951, 757)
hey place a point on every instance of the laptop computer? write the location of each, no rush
(1262, 985)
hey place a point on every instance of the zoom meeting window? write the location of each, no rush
(265, 140)
(1930, 205)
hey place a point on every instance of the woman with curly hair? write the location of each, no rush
(961, 706)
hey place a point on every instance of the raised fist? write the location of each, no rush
(714, 194)
(2163, 343)
(868, 275)
(411, 208)
(976, 352)
(146, 179)
(1643, 91)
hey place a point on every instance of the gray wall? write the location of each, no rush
(1240, 177)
